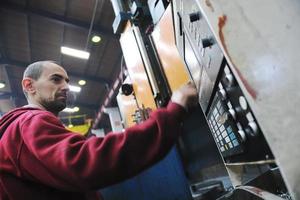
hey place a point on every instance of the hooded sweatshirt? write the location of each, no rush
(40, 159)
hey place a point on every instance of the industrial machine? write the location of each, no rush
(240, 143)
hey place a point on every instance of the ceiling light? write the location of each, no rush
(76, 109)
(74, 88)
(2, 84)
(75, 52)
(82, 82)
(96, 39)
(71, 110)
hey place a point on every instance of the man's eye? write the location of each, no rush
(56, 79)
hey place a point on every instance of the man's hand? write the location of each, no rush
(186, 96)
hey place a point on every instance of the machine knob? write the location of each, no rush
(207, 42)
(243, 102)
(195, 16)
(252, 129)
(242, 134)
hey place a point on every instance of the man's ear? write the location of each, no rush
(27, 84)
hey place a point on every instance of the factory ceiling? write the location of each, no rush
(33, 30)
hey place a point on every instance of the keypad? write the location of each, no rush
(222, 130)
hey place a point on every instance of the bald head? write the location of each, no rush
(35, 69)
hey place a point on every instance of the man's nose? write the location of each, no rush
(66, 87)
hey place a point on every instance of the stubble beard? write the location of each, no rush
(54, 106)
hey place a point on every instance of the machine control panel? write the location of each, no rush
(230, 118)
(226, 134)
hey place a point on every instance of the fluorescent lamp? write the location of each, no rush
(71, 110)
(2, 84)
(74, 88)
(76, 109)
(75, 52)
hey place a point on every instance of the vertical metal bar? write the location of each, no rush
(91, 25)
(29, 32)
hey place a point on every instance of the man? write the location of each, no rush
(40, 159)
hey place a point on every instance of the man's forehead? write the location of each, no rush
(54, 69)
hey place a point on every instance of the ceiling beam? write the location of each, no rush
(8, 5)
(4, 61)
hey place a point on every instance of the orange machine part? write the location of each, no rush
(164, 39)
(136, 70)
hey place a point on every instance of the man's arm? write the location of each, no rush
(71, 162)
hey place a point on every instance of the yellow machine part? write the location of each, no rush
(172, 63)
(81, 129)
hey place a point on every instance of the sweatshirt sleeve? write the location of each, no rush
(69, 161)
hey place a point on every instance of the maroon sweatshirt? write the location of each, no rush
(40, 159)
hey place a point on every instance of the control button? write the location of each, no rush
(243, 102)
(220, 138)
(226, 147)
(223, 94)
(207, 42)
(215, 112)
(220, 86)
(235, 143)
(252, 129)
(229, 129)
(250, 117)
(214, 123)
(232, 136)
(229, 104)
(224, 134)
(227, 139)
(239, 110)
(229, 79)
(221, 110)
(216, 127)
(218, 104)
(195, 16)
(222, 128)
(232, 113)
(243, 135)
(227, 70)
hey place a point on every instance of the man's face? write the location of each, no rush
(51, 88)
